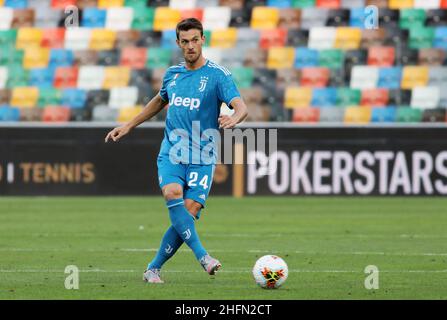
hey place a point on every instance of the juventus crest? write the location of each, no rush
(203, 82)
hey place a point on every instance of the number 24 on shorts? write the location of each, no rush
(194, 176)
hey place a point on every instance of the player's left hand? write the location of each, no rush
(227, 122)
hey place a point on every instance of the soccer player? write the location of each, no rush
(194, 91)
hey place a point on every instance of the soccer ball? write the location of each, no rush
(270, 272)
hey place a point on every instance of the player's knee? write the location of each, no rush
(172, 192)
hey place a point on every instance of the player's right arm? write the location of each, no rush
(151, 109)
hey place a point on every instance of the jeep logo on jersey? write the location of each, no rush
(191, 103)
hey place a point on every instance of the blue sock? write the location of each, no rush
(183, 222)
(169, 245)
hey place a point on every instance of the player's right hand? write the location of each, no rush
(117, 133)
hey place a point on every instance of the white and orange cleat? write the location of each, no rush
(152, 276)
(210, 264)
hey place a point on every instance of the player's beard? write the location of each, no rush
(194, 59)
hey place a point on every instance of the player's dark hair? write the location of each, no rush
(188, 24)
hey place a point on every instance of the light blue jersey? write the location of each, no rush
(194, 98)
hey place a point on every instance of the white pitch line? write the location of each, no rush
(221, 271)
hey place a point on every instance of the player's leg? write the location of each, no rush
(199, 180)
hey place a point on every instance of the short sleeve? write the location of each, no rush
(226, 89)
(163, 91)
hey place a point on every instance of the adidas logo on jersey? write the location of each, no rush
(191, 103)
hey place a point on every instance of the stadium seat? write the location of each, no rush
(182, 4)
(5, 96)
(297, 38)
(303, 3)
(306, 115)
(80, 114)
(240, 18)
(140, 77)
(6, 16)
(114, 77)
(62, 4)
(421, 37)
(431, 57)
(22, 18)
(289, 18)
(90, 77)
(407, 114)
(330, 4)
(83, 4)
(383, 114)
(11, 57)
(224, 38)
(243, 77)
(425, 97)
(436, 18)
(315, 77)
(357, 17)
(248, 38)
(255, 58)
(36, 57)
(31, 114)
(374, 97)
(437, 76)
(16, 4)
(127, 38)
(273, 38)
(215, 18)
(406, 56)
(331, 58)
(401, 4)
(157, 3)
(332, 115)
(264, 18)
(93, 18)
(158, 58)
(102, 39)
(119, 18)
(56, 114)
(66, 77)
(133, 57)
(305, 57)
(110, 3)
(265, 78)
(324, 97)
(74, 98)
(9, 114)
(373, 38)
(355, 58)
(347, 38)
(97, 98)
(213, 54)
(24, 97)
(414, 76)
(61, 58)
(41, 77)
(108, 57)
(381, 56)
(47, 18)
(338, 18)
(357, 115)
(364, 77)
(143, 19)
(123, 97)
(8, 39)
(338, 78)
(77, 38)
(397, 37)
(313, 17)
(128, 113)
(440, 38)
(390, 78)
(85, 57)
(427, 4)
(348, 97)
(104, 114)
(168, 39)
(166, 18)
(232, 57)
(322, 38)
(3, 77)
(28, 37)
(434, 115)
(389, 18)
(233, 4)
(280, 58)
(53, 38)
(17, 77)
(284, 77)
(410, 18)
(399, 97)
(296, 97)
(49, 96)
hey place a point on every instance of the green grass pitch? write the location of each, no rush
(326, 241)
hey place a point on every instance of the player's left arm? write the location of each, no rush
(239, 115)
